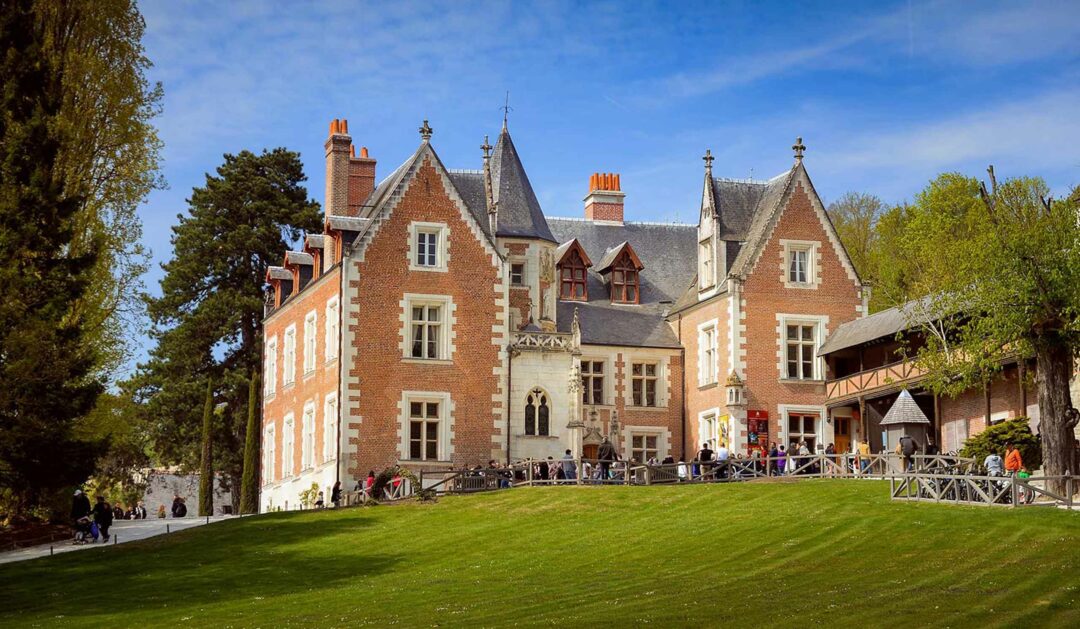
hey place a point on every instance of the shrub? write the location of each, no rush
(309, 496)
(993, 439)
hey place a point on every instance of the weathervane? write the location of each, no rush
(506, 109)
(799, 148)
(426, 131)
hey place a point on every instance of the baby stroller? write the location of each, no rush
(86, 530)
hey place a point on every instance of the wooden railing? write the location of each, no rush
(972, 489)
(872, 381)
(581, 471)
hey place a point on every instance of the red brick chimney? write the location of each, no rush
(337, 169)
(361, 179)
(605, 199)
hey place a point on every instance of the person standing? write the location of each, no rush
(103, 515)
(863, 457)
(569, 467)
(704, 457)
(80, 515)
(781, 461)
(606, 453)
(771, 465)
(335, 494)
(545, 470)
(907, 446)
(179, 509)
(1013, 462)
(722, 455)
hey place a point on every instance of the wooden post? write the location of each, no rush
(529, 471)
(580, 470)
(1015, 497)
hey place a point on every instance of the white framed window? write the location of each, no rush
(330, 345)
(428, 327)
(269, 449)
(592, 381)
(707, 353)
(270, 367)
(428, 246)
(426, 419)
(289, 368)
(330, 419)
(708, 429)
(800, 344)
(644, 446)
(799, 337)
(307, 445)
(288, 444)
(517, 274)
(311, 329)
(803, 427)
(705, 264)
(644, 378)
(800, 263)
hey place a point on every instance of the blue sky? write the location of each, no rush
(885, 94)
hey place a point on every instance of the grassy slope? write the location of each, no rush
(834, 552)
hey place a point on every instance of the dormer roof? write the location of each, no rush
(564, 250)
(278, 273)
(298, 258)
(612, 255)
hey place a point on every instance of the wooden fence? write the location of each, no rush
(972, 489)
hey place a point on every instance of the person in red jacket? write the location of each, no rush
(1013, 462)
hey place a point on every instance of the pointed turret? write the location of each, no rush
(519, 213)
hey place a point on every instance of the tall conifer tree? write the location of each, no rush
(249, 486)
(206, 467)
(45, 364)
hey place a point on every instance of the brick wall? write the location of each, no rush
(604, 212)
(969, 408)
(313, 386)
(380, 374)
(765, 295)
(711, 396)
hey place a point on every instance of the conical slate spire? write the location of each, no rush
(519, 211)
(904, 411)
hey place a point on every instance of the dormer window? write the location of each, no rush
(622, 269)
(624, 281)
(572, 274)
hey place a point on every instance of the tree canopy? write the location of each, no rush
(45, 363)
(207, 321)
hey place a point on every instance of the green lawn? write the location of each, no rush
(793, 554)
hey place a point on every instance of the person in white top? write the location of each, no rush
(722, 456)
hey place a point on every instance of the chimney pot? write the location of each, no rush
(345, 126)
(605, 199)
(363, 152)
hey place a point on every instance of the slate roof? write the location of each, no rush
(278, 273)
(519, 211)
(668, 251)
(315, 241)
(884, 324)
(904, 411)
(470, 185)
(738, 202)
(669, 255)
(347, 223)
(771, 193)
(299, 257)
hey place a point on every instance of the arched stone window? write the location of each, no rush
(537, 413)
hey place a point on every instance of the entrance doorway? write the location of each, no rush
(589, 451)
(842, 434)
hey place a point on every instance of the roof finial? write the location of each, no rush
(799, 149)
(506, 109)
(426, 131)
(486, 148)
(708, 162)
